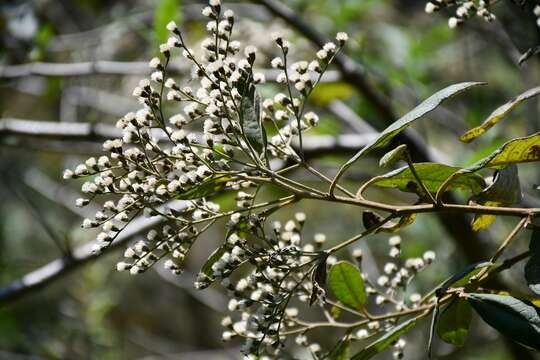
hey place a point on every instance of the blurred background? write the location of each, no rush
(67, 70)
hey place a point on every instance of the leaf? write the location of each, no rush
(341, 352)
(532, 268)
(528, 54)
(454, 321)
(208, 187)
(251, 120)
(517, 319)
(389, 337)
(393, 156)
(318, 277)
(346, 283)
(462, 277)
(432, 175)
(206, 275)
(393, 227)
(504, 191)
(166, 11)
(405, 121)
(335, 312)
(520, 150)
(498, 115)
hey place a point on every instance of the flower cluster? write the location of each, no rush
(464, 10)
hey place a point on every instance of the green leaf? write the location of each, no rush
(251, 120)
(206, 275)
(393, 156)
(498, 115)
(166, 10)
(454, 321)
(346, 283)
(341, 352)
(405, 121)
(504, 191)
(517, 319)
(389, 337)
(210, 186)
(462, 277)
(532, 268)
(432, 175)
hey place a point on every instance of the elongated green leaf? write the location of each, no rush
(346, 283)
(432, 175)
(166, 11)
(393, 156)
(251, 119)
(498, 115)
(504, 191)
(454, 321)
(462, 277)
(532, 268)
(405, 121)
(517, 319)
(341, 352)
(382, 343)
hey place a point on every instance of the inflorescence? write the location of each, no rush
(174, 167)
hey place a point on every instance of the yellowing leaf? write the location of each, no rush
(520, 150)
(498, 115)
(432, 175)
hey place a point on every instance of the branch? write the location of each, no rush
(80, 256)
(65, 131)
(103, 67)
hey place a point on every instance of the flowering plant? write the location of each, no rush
(229, 138)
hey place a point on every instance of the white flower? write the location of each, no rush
(322, 54)
(250, 50)
(362, 334)
(157, 76)
(215, 3)
(171, 26)
(394, 240)
(329, 47)
(429, 256)
(68, 174)
(342, 37)
(430, 7)
(277, 63)
(453, 22)
(207, 11)
(178, 135)
(154, 63)
(414, 298)
(122, 266)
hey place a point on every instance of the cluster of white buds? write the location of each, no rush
(172, 167)
(464, 10)
(536, 12)
(279, 263)
(391, 291)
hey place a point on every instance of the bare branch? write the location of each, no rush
(80, 256)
